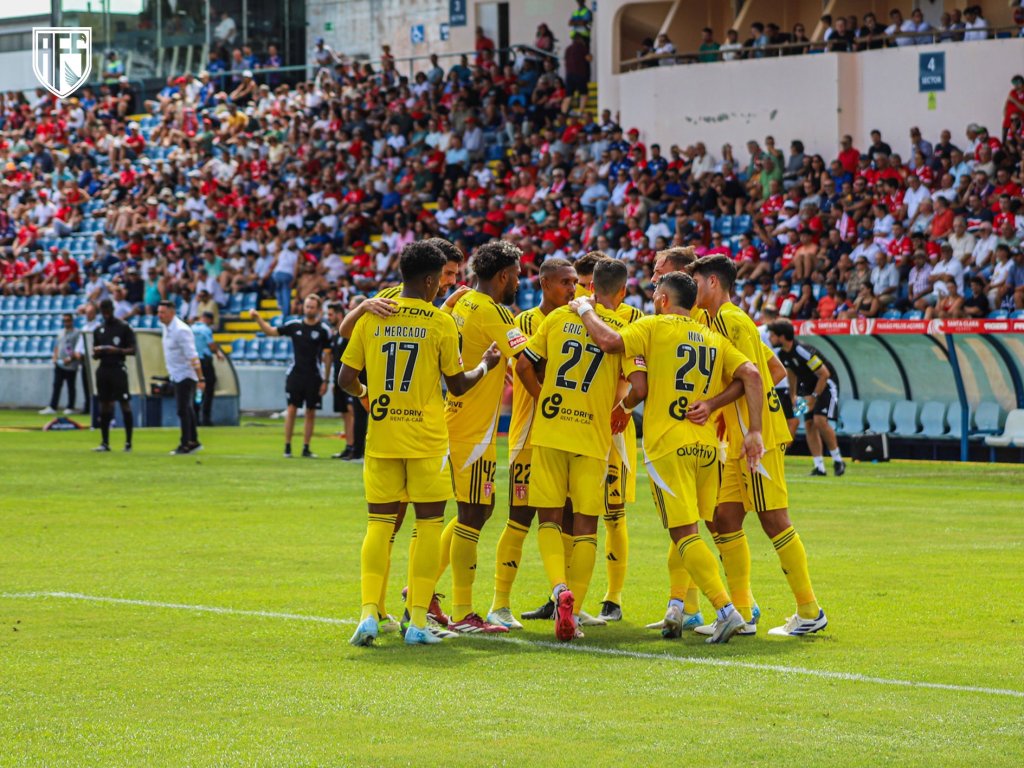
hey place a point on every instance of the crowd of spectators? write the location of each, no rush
(316, 188)
(840, 33)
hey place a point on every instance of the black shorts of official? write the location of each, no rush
(303, 392)
(341, 399)
(827, 405)
(576, 85)
(112, 384)
(787, 404)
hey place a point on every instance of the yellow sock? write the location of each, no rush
(567, 545)
(374, 561)
(793, 558)
(552, 554)
(464, 545)
(423, 569)
(702, 567)
(584, 553)
(506, 563)
(446, 547)
(691, 603)
(616, 551)
(381, 604)
(678, 578)
(736, 559)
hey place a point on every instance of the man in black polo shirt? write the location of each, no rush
(812, 376)
(113, 340)
(307, 377)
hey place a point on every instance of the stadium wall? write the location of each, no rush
(816, 98)
(360, 27)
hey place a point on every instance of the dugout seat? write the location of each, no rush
(988, 418)
(880, 416)
(906, 419)
(933, 419)
(851, 417)
(954, 420)
(1013, 431)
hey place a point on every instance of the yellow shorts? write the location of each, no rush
(557, 475)
(474, 468)
(684, 484)
(622, 476)
(519, 478)
(762, 490)
(415, 480)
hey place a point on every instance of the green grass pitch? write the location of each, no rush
(919, 566)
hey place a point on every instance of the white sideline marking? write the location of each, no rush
(690, 660)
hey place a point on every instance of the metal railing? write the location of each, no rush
(858, 45)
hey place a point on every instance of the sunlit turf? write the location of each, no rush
(919, 566)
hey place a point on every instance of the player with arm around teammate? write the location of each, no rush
(405, 356)
(689, 368)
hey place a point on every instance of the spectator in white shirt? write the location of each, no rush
(976, 26)
(729, 50)
(185, 373)
(984, 247)
(885, 279)
(916, 192)
(916, 23)
(946, 266)
(898, 25)
(657, 228)
(702, 162)
(963, 242)
(665, 47)
(867, 248)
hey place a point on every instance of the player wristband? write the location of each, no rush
(482, 367)
(583, 308)
(363, 391)
(622, 405)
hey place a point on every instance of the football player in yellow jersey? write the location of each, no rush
(557, 283)
(621, 477)
(575, 408)
(472, 419)
(689, 368)
(383, 305)
(763, 490)
(405, 356)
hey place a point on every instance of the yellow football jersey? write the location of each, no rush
(701, 316)
(580, 383)
(523, 406)
(581, 290)
(686, 362)
(404, 357)
(396, 290)
(733, 323)
(473, 418)
(628, 314)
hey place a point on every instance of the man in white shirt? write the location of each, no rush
(946, 266)
(885, 279)
(657, 228)
(984, 246)
(702, 162)
(976, 26)
(916, 193)
(867, 248)
(185, 373)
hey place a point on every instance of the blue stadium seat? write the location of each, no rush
(32, 304)
(6, 346)
(7, 324)
(914, 314)
(253, 350)
(267, 350)
(999, 314)
(282, 350)
(20, 344)
(741, 224)
(7, 304)
(880, 416)
(19, 324)
(250, 301)
(32, 350)
(235, 304)
(892, 314)
(238, 349)
(1017, 314)
(955, 422)
(32, 324)
(133, 321)
(851, 417)
(933, 419)
(989, 418)
(21, 304)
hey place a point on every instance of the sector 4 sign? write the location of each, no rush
(62, 58)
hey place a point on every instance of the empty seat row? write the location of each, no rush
(27, 325)
(37, 304)
(1012, 434)
(906, 418)
(144, 321)
(261, 350)
(26, 347)
(240, 303)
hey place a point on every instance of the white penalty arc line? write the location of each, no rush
(543, 644)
